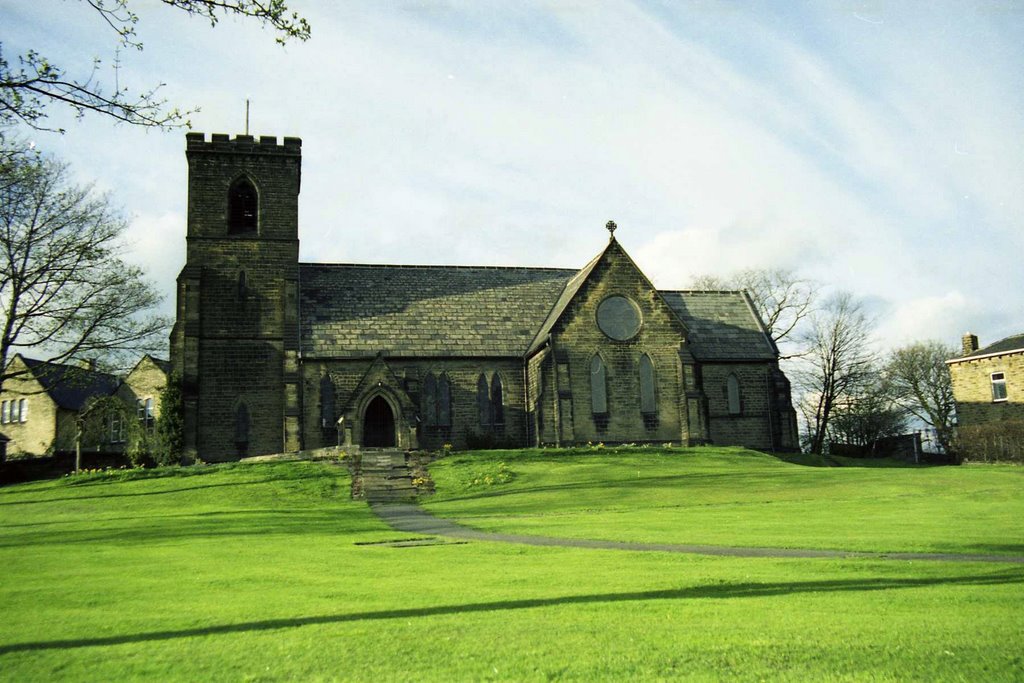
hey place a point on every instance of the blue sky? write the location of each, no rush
(873, 146)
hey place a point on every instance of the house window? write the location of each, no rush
(116, 429)
(144, 409)
(732, 393)
(14, 412)
(598, 390)
(5, 412)
(22, 410)
(242, 207)
(998, 386)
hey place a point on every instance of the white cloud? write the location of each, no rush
(884, 157)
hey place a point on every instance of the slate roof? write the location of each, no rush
(1013, 343)
(359, 310)
(353, 310)
(722, 325)
(69, 385)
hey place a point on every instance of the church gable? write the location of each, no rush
(616, 347)
(615, 277)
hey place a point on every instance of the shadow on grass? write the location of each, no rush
(736, 481)
(160, 492)
(340, 520)
(718, 591)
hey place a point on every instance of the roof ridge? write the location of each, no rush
(438, 266)
(701, 291)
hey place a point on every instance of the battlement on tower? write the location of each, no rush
(242, 144)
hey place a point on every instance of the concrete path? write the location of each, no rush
(412, 518)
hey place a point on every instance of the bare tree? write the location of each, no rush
(65, 292)
(782, 299)
(869, 412)
(837, 361)
(920, 378)
(28, 86)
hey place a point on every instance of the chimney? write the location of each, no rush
(87, 364)
(970, 343)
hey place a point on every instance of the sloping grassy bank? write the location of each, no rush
(269, 572)
(732, 496)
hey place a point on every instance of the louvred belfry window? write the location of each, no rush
(243, 205)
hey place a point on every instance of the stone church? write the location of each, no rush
(276, 355)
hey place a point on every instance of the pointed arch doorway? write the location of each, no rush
(378, 424)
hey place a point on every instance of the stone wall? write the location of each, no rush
(406, 377)
(972, 388)
(752, 425)
(147, 380)
(236, 338)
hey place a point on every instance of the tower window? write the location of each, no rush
(243, 203)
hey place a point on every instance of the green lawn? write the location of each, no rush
(732, 496)
(270, 572)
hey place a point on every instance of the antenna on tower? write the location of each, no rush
(246, 115)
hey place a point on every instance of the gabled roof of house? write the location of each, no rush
(163, 365)
(1008, 345)
(71, 386)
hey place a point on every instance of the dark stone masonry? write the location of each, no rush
(276, 355)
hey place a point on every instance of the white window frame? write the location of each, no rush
(13, 417)
(5, 412)
(1000, 382)
(22, 410)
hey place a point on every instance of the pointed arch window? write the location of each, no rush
(732, 391)
(648, 400)
(497, 402)
(436, 401)
(483, 401)
(326, 402)
(428, 401)
(243, 205)
(598, 386)
(444, 401)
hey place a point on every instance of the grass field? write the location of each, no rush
(269, 572)
(733, 496)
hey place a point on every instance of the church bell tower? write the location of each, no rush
(235, 341)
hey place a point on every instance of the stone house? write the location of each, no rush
(988, 383)
(41, 403)
(276, 355)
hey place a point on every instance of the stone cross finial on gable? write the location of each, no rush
(610, 226)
